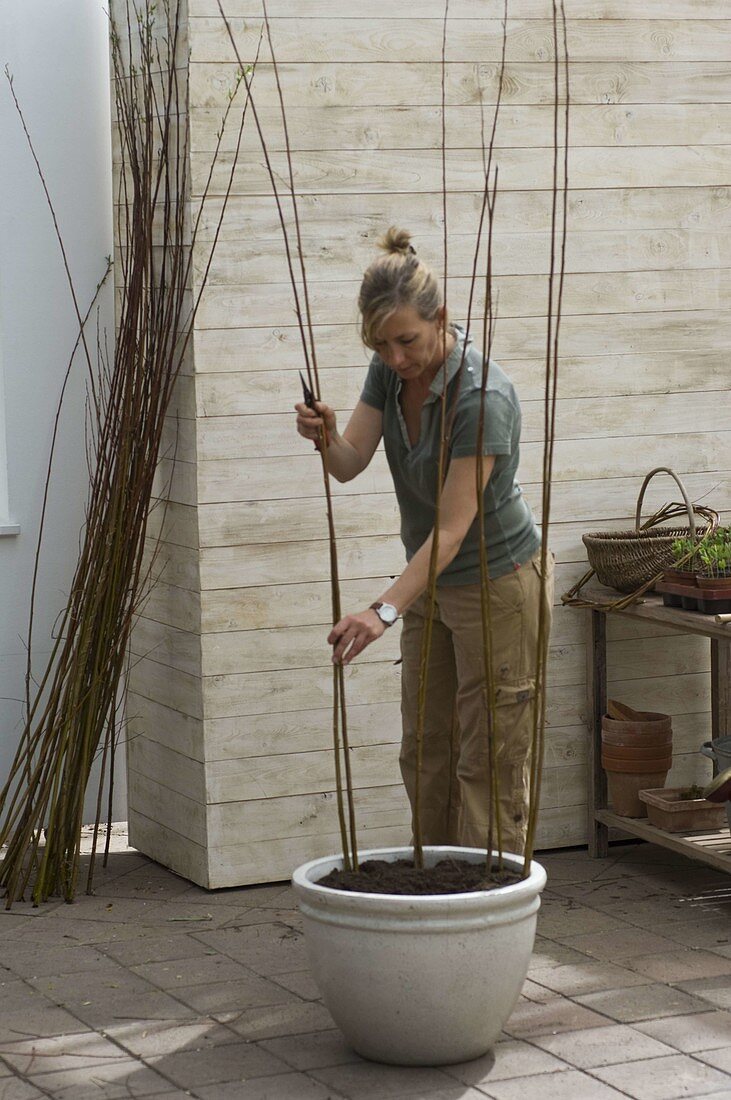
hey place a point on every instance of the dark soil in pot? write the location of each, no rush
(449, 876)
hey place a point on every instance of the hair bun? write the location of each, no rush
(398, 241)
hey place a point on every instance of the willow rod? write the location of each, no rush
(554, 313)
(349, 843)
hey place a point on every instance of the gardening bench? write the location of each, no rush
(714, 846)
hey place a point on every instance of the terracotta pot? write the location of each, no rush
(636, 752)
(648, 722)
(631, 766)
(637, 740)
(624, 791)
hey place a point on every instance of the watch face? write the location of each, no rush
(388, 613)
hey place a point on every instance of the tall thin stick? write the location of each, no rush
(306, 329)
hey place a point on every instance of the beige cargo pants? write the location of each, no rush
(455, 798)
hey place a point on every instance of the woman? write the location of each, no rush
(404, 322)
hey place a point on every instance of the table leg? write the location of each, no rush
(720, 688)
(597, 705)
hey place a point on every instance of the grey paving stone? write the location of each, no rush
(685, 964)
(690, 1034)
(371, 1081)
(40, 1021)
(665, 1078)
(289, 1086)
(265, 948)
(118, 1080)
(510, 1058)
(617, 946)
(299, 982)
(212, 1064)
(155, 949)
(149, 1038)
(719, 1059)
(14, 1088)
(313, 1050)
(589, 976)
(571, 1084)
(215, 998)
(39, 958)
(571, 918)
(708, 933)
(559, 1014)
(602, 1046)
(199, 969)
(716, 990)
(642, 1002)
(270, 1021)
(42, 1055)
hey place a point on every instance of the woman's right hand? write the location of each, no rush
(310, 421)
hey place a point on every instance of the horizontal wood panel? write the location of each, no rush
(223, 437)
(519, 295)
(173, 850)
(372, 84)
(354, 172)
(478, 40)
(589, 503)
(275, 392)
(239, 263)
(173, 606)
(280, 10)
(236, 863)
(265, 650)
(332, 218)
(357, 127)
(177, 772)
(168, 727)
(280, 478)
(167, 645)
(239, 694)
(604, 334)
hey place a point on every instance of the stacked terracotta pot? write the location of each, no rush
(637, 754)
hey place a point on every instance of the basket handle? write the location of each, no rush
(641, 497)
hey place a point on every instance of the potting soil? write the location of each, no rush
(449, 876)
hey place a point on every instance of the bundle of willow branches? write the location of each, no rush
(559, 188)
(74, 716)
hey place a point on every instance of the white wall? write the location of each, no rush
(56, 51)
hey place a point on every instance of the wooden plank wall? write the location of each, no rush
(644, 375)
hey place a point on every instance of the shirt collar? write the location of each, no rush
(451, 366)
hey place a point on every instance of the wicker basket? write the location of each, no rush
(626, 560)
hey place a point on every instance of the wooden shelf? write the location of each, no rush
(712, 847)
(709, 846)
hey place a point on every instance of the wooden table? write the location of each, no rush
(711, 847)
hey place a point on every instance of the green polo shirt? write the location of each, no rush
(511, 534)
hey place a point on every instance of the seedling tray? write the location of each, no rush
(709, 601)
(667, 810)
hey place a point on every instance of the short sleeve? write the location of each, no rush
(501, 416)
(374, 388)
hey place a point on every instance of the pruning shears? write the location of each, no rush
(309, 399)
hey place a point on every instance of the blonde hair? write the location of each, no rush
(397, 279)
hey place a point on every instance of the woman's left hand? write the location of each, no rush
(353, 633)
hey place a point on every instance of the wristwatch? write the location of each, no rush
(386, 612)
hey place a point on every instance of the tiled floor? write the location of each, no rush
(156, 988)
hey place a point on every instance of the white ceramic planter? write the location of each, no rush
(415, 980)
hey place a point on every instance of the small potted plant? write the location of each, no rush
(714, 560)
(684, 567)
